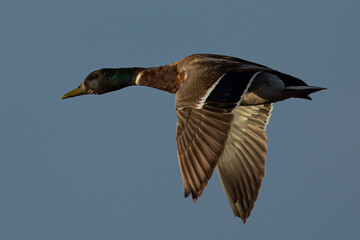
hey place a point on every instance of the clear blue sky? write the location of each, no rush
(105, 167)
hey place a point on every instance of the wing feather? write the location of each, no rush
(241, 167)
(201, 137)
(214, 131)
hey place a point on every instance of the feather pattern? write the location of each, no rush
(241, 167)
(201, 137)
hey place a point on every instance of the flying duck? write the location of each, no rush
(223, 105)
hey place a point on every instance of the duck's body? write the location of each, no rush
(223, 105)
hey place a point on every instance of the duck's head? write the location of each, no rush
(105, 80)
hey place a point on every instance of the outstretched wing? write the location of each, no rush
(201, 137)
(203, 126)
(241, 167)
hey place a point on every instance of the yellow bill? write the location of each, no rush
(81, 90)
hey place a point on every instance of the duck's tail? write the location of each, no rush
(301, 91)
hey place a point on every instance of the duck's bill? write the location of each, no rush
(81, 90)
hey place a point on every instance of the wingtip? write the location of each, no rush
(194, 196)
(243, 218)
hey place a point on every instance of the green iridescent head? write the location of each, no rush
(105, 80)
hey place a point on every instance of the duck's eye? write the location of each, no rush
(94, 76)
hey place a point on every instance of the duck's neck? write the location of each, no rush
(165, 78)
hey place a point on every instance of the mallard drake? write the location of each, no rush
(223, 105)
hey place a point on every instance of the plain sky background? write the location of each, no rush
(105, 167)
